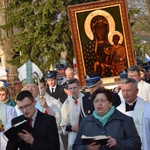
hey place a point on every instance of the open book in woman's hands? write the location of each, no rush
(100, 139)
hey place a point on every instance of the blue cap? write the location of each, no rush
(123, 75)
(92, 79)
(51, 74)
(59, 67)
(146, 66)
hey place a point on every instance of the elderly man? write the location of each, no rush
(69, 73)
(29, 74)
(137, 108)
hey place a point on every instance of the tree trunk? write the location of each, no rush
(6, 51)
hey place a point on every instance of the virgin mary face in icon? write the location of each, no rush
(100, 28)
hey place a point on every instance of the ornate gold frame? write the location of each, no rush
(77, 15)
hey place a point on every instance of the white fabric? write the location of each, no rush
(50, 99)
(22, 71)
(55, 105)
(141, 117)
(70, 116)
(3, 115)
(144, 91)
(146, 127)
(10, 114)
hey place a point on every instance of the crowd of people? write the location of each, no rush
(60, 113)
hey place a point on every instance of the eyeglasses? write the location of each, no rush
(2, 94)
(100, 101)
(25, 107)
(133, 76)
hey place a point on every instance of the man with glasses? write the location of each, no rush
(45, 133)
(144, 87)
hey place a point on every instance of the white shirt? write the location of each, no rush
(54, 88)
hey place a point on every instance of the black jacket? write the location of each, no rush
(58, 94)
(45, 134)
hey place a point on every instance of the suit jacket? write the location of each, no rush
(58, 94)
(45, 134)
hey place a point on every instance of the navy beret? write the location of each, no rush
(92, 79)
(146, 66)
(51, 74)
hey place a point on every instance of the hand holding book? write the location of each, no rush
(12, 132)
(26, 136)
(100, 139)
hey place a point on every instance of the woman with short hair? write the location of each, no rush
(106, 120)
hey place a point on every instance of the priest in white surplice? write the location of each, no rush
(144, 87)
(137, 108)
(7, 113)
(70, 111)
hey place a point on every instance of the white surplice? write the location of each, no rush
(70, 116)
(141, 117)
(144, 91)
(55, 105)
(9, 113)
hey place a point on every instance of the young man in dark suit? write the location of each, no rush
(53, 88)
(45, 133)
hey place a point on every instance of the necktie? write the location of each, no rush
(30, 122)
(52, 90)
(75, 102)
(45, 112)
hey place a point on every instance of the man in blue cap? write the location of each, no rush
(146, 68)
(60, 68)
(93, 82)
(53, 89)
